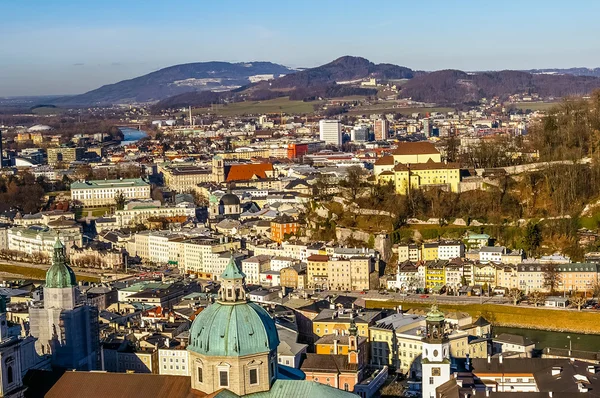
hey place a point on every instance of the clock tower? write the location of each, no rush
(436, 353)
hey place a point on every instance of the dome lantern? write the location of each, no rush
(60, 275)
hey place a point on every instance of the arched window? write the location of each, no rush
(346, 386)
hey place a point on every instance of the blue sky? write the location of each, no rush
(68, 46)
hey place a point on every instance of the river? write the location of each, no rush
(543, 338)
(131, 135)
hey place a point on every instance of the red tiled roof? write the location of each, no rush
(414, 148)
(385, 161)
(243, 172)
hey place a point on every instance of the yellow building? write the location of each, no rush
(414, 165)
(435, 276)
(429, 251)
(331, 321)
(430, 174)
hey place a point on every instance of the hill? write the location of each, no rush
(343, 69)
(568, 71)
(322, 81)
(178, 79)
(455, 87)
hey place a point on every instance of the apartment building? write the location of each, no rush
(103, 192)
(253, 266)
(139, 212)
(40, 240)
(65, 155)
(356, 273)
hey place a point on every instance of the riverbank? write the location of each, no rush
(558, 320)
(12, 271)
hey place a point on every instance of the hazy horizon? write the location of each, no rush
(67, 47)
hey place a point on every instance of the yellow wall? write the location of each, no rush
(429, 253)
(417, 158)
(321, 329)
(423, 178)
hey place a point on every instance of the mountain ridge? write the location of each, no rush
(177, 79)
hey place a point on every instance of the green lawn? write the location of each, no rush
(507, 315)
(277, 105)
(37, 273)
(47, 110)
(535, 106)
(96, 211)
(390, 109)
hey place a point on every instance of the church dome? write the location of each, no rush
(60, 275)
(233, 330)
(232, 326)
(230, 199)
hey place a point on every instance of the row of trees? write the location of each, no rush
(576, 299)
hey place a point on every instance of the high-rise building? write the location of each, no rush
(330, 131)
(65, 328)
(426, 128)
(359, 134)
(381, 128)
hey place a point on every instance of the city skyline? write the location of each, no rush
(86, 46)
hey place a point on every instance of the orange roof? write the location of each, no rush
(385, 161)
(242, 172)
(414, 148)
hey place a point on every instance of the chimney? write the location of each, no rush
(335, 347)
(500, 358)
(550, 393)
(556, 370)
(489, 359)
(487, 392)
(591, 369)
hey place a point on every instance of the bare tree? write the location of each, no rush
(515, 295)
(537, 298)
(552, 278)
(577, 301)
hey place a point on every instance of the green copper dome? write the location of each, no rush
(435, 315)
(60, 275)
(233, 330)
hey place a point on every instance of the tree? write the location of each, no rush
(596, 291)
(536, 298)
(322, 186)
(532, 238)
(552, 278)
(120, 200)
(371, 242)
(577, 301)
(354, 181)
(515, 295)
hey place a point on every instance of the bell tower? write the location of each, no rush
(218, 169)
(436, 353)
(353, 353)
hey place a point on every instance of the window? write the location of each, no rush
(253, 376)
(346, 386)
(431, 380)
(9, 374)
(223, 378)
